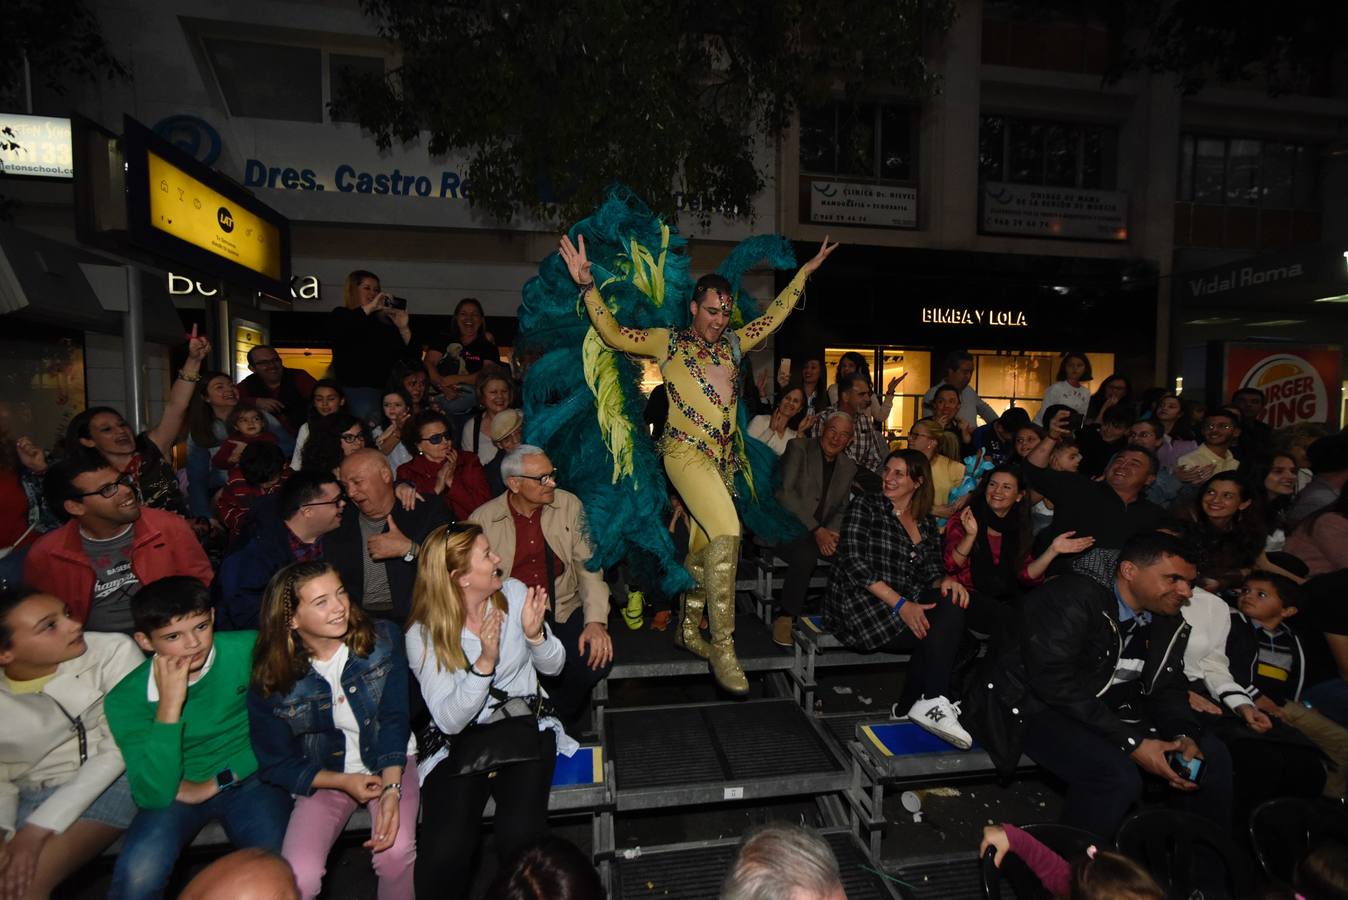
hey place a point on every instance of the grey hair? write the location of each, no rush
(837, 414)
(513, 464)
(777, 860)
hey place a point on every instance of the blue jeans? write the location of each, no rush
(253, 813)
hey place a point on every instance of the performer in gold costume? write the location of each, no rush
(700, 369)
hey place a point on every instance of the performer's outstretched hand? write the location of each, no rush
(574, 257)
(824, 250)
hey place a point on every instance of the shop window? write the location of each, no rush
(314, 360)
(866, 140)
(268, 81)
(1005, 379)
(886, 363)
(1060, 154)
(1246, 193)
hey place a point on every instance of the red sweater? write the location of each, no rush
(222, 458)
(962, 568)
(13, 510)
(467, 492)
(165, 545)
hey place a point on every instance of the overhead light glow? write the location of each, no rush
(1341, 298)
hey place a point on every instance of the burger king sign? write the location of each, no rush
(1299, 383)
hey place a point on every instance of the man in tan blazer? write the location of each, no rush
(816, 480)
(536, 530)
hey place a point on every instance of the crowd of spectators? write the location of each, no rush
(349, 570)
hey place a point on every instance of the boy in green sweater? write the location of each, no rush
(181, 722)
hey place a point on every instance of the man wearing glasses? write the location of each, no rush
(307, 507)
(535, 528)
(1221, 430)
(111, 546)
(275, 389)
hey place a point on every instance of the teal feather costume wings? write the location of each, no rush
(582, 401)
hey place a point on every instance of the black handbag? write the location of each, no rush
(508, 737)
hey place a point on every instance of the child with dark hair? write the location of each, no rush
(63, 795)
(1098, 875)
(181, 722)
(1100, 441)
(247, 426)
(1269, 663)
(1322, 873)
(262, 469)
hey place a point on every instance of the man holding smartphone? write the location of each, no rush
(1094, 691)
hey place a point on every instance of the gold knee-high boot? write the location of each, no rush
(694, 602)
(722, 558)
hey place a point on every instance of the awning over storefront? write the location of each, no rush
(1299, 277)
(46, 282)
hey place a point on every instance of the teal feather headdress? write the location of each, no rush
(582, 400)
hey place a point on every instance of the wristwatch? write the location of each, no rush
(411, 554)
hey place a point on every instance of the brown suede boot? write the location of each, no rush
(781, 630)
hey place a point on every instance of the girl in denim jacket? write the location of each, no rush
(329, 721)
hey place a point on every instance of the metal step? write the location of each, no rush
(718, 752)
(695, 871)
(644, 653)
(949, 879)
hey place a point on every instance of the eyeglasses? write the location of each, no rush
(545, 478)
(109, 490)
(335, 501)
(437, 439)
(352, 438)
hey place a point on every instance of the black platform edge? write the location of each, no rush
(695, 871)
(669, 756)
(945, 878)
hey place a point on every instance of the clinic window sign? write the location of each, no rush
(35, 146)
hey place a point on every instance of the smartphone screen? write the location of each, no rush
(1188, 769)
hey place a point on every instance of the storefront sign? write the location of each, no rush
(855, 203)
(1054, 212)
(962, 315)
(1300, 383)
(1302, 273)
(302, 287)
(346, 178)
(43, 146)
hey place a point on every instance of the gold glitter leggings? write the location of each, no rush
(699, 483)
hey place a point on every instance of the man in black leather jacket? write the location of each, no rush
(1094, 689)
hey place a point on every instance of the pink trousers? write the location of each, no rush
(317, 821)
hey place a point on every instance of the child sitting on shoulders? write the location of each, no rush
(246, 426)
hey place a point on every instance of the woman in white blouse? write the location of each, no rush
(773, 429)
(1069, 389)
(475, 641)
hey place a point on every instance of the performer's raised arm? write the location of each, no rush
(753, 333)
(639, 341)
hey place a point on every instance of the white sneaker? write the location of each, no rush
(941, 717)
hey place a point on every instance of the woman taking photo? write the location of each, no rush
(940, 447)
(437, 469)
(477, 645)
(987, 548)
(495, 392)
(328, 714)
(1069, 389)
(775, 430)
(459, 354)
(370, 335)
(887, 590)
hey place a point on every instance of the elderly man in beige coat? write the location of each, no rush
(536, 530)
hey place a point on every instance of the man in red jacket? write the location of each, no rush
(111, 546)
